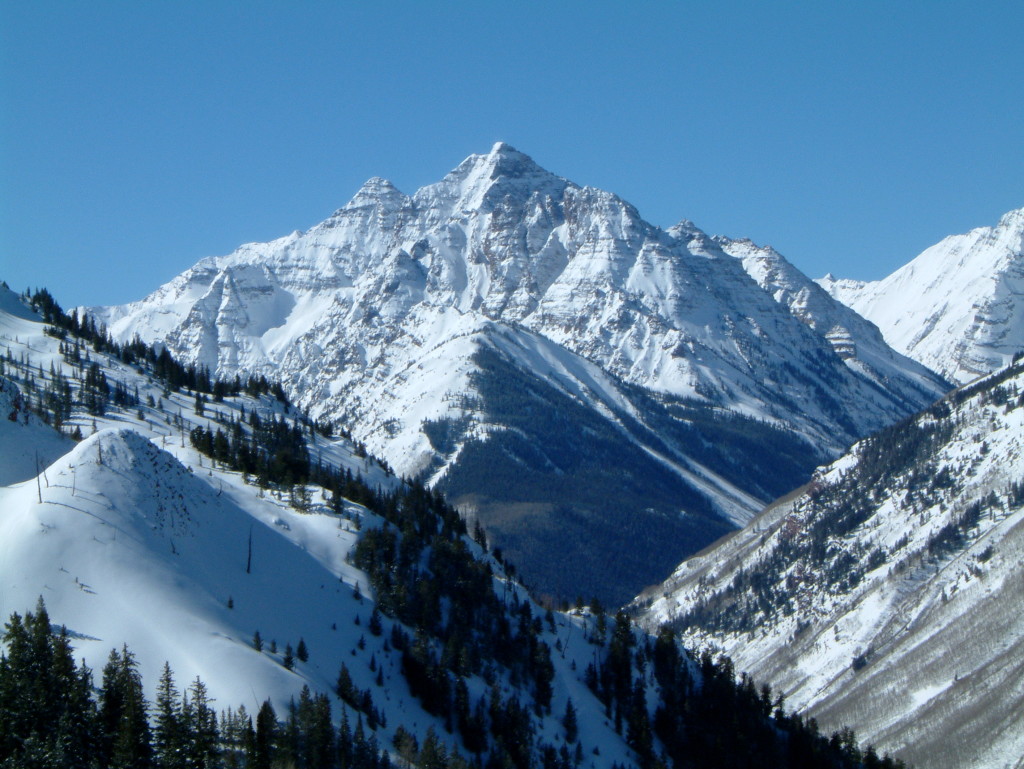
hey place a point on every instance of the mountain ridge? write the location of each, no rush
(882, 594)
(956, 307)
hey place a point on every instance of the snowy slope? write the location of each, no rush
(132, 537)
(29, 444)
(958, 307)
(858, 342)
(888, 593)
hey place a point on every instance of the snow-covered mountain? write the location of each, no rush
(446, 328)
(958, 307)
(887, 594)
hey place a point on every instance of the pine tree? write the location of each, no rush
(289, 657)
(374, 625)
(47, 715)
(301, 651)
(344, 741)
(201, 721)
(265, 743)
(569, 722)
(433, 754)
(406, 746)
(345, 688)
(168, 731)
(126, 736)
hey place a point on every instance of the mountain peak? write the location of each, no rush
(1011, 220)
(503, 148)
(376, 191)
(685, 230)
(376, 188)
(480, 180)
(505, 161)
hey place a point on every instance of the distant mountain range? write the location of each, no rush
(958, 308)
(606, 396)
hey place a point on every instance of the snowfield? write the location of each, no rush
(958, 307)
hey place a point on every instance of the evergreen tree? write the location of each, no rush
(374, 625)
(265, 743)
(433, 754)
(569, 722)
(169, 729)
(126, 736)
(201, 721)
(344, 741)
(47, 716)
(406, 746)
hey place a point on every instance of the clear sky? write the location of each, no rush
(139, 137)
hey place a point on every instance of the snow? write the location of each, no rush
(939, 636)
(131, 537)
(138, 550)
(923, 695)
(957, 307)
(342, 312)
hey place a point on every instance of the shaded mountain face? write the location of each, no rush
(385, 317)
(886, 594)
(958, 307)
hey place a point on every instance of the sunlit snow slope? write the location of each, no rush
(958, 307)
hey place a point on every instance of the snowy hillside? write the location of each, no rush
(183, 529)
(958, 307)
(388, 316)
(134, 537)
(887, 593)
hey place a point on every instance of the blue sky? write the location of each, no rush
(137, 138)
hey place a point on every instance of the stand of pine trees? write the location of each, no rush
(703, 716)
(80, 333)
(52, 717)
